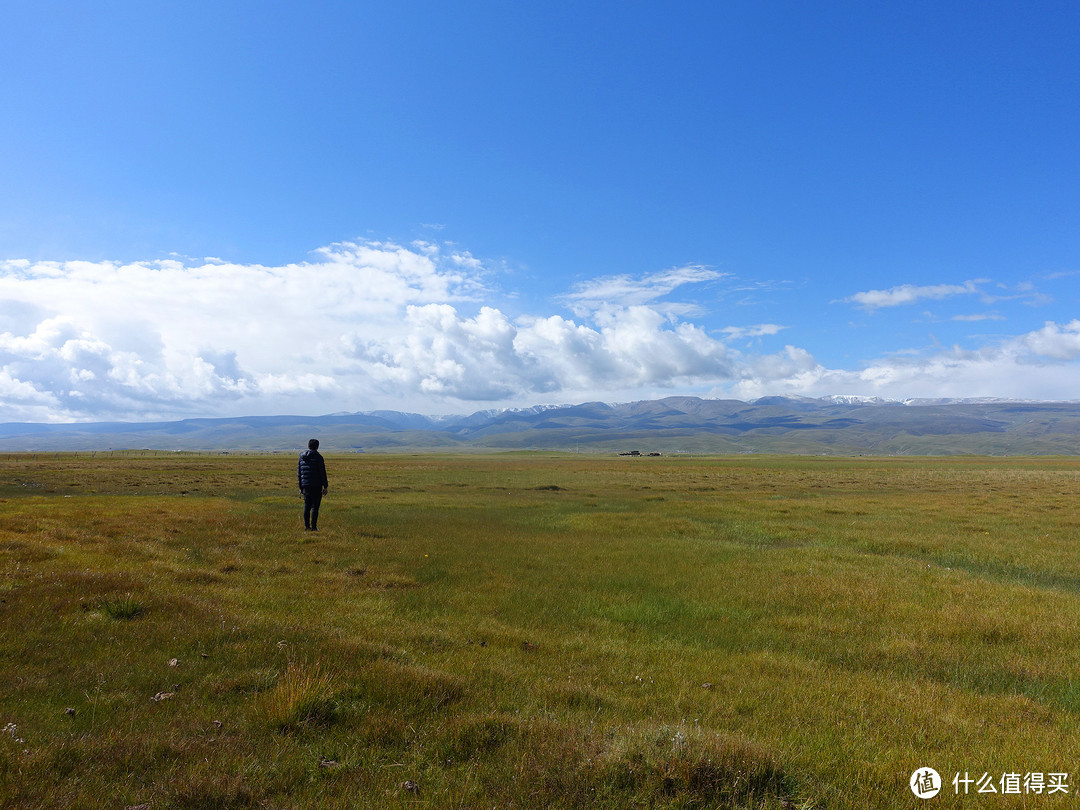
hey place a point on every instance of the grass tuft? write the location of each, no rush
(302, 697)
(692, 766)
(219, 792)
(123, 608)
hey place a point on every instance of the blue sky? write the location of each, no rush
(239, 208)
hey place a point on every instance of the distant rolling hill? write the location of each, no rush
(833, 425)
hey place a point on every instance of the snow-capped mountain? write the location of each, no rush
(841, 424)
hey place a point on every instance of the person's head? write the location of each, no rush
(313, 444)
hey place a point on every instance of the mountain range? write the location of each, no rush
(795, 425)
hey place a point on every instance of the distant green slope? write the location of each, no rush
(672, 425)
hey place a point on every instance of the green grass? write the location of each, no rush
(122, 607)
(535, 631)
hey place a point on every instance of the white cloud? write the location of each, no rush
(441, 353)
(1037, 365)
(166, 338)
(910, 294)
(745, 332)
(627, 291)
(488, 357)
(372, 324)
(1024, 292)
(363, 324)
(1053, 341)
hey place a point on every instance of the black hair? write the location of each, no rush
(313, 444)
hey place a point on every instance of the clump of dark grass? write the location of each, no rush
(123, 608)
(219, 792)
(538, 762)
(695, 767)
(477, 735)
(411, 689)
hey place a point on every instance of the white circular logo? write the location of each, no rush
(925, 783)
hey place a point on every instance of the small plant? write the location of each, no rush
(302, 697)
(125, 608)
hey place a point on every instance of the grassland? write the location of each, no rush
(536, 631)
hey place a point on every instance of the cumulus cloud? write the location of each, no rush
(1036, 365)
(488, 357)
(910, 294)
(170, 337)
(1053, 341)
(361, 325)
(365, 325)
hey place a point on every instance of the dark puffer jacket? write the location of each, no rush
(311, 470)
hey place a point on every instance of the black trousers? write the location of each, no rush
(312, 499)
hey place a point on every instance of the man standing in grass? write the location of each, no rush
(311, 475)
